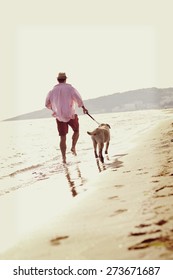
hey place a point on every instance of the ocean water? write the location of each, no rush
(29, 150)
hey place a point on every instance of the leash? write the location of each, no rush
(93, 118)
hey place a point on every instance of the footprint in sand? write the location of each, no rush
(162, 241)
(161, 222)
(118, 186)
(56, 240)
(143, 233)
(137, 233)
(143, 225)
(113, 197)
(141, 173)
(119, 211)
(162, 189)
(162, 174)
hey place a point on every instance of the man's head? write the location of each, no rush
(61, 77)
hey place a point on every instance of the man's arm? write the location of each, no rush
(48, 103)
(78, 99)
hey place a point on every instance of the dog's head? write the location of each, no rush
(101, 126)
(105, 124)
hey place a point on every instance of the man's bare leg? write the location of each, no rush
(63, 147)
(74, 141)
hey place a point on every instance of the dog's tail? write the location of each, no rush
(90, 133)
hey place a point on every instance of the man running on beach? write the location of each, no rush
(61, 100)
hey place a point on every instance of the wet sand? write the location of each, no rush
(126, 212)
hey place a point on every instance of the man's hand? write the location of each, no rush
(85, 111)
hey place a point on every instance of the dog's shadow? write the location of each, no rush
(113, 165)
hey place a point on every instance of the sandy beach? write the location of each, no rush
(126, 212)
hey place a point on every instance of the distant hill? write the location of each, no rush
(141, 99)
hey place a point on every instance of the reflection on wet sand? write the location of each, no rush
(76, 182)
(101, 166)
(75, 178)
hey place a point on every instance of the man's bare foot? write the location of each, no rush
(73, 150)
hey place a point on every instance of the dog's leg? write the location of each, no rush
(107, 146)
(95, 148)
(100, 152)
(98, 165)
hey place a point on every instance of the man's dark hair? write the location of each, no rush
(61, 80)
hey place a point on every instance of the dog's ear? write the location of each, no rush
(89, 132)
(108, 125)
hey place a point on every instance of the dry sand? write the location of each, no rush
(127, 214)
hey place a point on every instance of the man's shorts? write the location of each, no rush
(63, 126)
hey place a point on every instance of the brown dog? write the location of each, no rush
(100, 136)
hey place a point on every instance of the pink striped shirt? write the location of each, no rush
(62, 100)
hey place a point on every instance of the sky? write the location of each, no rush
(104, 47)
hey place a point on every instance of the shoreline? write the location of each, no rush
(125, 213)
